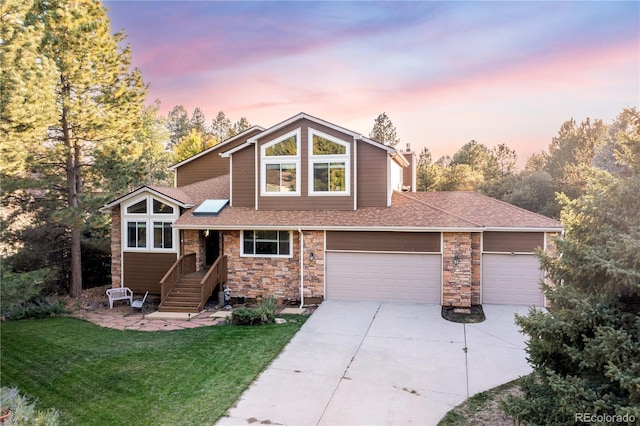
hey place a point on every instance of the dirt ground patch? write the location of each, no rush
(483, 408)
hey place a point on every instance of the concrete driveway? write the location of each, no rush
(373, 363)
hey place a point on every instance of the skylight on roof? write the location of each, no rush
(210, 207)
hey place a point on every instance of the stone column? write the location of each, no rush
(116, 248)
(457, 262)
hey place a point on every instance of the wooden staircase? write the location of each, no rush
(185, 294)
(183, 290)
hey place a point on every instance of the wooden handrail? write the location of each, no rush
(185, 264)
(217, 274)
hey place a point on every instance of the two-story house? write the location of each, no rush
(307, 210)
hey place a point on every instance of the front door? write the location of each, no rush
(211, 247)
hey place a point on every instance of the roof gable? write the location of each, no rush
(171, 195)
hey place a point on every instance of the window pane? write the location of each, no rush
(284, 235)
(157, 234)
(284, 248)
(280, 178)
(162, 235)
(142, 234)
(266, 247)
(131, 234)
(288, 183)
(136, 234)
(273, 178)
(139, 207)
(267, 235)
(322, 146)
(162, 208)
(168, 236)
(247, 236)
(321, 177)
(286, 147)
(337, 182)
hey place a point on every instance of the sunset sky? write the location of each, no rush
(444, 72)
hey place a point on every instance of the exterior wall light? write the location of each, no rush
(456, 259)
(311, 256)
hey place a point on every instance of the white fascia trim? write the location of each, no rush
(107, 207)
(521, 229)
(327, 228)
(300, 116)
(215, 147)
(387, 148)
(227, 154)
(399, 158)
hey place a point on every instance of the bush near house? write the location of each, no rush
(264, 313)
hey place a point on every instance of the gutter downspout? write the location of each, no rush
(301, 267)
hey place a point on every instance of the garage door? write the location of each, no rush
(511, 280)
(396, 277)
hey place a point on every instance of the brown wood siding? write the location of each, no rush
(372, 176)
(209, 165)
(242, 178)
(304, 201)
(508, 242)
(143, 271)
(419, 242)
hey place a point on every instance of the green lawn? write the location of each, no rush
(99, 376)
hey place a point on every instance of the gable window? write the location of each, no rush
(280, 162)
(258, 243)
(138, 208)
(328, 165)
(147, 223)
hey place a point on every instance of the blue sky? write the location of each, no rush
(444, 72)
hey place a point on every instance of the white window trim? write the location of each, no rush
(342, 158)
(149, 219)
(281, 256)
(285, 159)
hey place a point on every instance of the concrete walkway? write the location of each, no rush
(371, 363)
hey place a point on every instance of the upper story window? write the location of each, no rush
(147, 225)
(280, 162)
(328, 165)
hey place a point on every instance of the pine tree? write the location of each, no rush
(27, 88)
(384, 131)
(585, 351)
(98, 99)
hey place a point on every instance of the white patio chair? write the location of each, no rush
(139, 303)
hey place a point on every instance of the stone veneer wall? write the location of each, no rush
(257, 277)
(116, 248)
(456, 285)
(476, 267)
(193, 242)
(313, 269)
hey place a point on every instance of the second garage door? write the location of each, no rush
(398, 277)
(511, 280)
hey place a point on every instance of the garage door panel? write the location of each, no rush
(511, 280)
(383, 276)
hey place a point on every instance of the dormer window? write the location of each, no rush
(280, 163)
(328, 165)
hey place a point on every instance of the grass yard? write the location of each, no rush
(99, 376)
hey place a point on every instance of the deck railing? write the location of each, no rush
(185, 264)
(217, 274)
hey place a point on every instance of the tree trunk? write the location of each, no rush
(74, 186)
